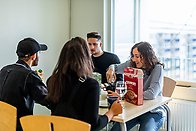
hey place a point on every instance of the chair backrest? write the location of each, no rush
(52, 123)
(168, 86)
(8, 114)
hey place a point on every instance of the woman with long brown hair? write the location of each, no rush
(143, 57)
(75, 63)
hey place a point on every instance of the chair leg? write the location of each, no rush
(168, 117)
(51, 126)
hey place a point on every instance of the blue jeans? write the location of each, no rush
(148, 122)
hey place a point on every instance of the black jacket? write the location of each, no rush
(85, 101)
(20, 86)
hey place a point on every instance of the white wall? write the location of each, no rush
(86, 16)
(48, 21)
(45, 20)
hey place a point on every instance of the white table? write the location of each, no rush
(131, 111)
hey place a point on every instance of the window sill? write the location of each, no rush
(185, 93)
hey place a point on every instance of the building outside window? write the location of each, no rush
(169, 25)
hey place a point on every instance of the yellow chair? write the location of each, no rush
(168, 88)
(52, 123)
(8, 114)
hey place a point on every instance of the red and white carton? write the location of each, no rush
(134, 80)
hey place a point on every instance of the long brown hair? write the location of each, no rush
(147, 54)
(74, 57)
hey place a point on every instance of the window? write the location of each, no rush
(123, 28)
(169, 25)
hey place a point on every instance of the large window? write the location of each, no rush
(169, 25)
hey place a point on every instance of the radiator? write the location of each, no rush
(183, 115)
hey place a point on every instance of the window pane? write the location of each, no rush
(170, 26)
(123, 28)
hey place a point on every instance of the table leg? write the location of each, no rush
(123, 126)
(168, 117)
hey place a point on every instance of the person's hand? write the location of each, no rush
(116, 108)
(112, 93)
(110, 75)
(40, 73)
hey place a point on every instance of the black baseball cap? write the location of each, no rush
(29, 46)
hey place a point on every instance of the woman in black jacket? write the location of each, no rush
(74, 63)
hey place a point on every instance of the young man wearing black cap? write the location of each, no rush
(101, 59)
(20, 86)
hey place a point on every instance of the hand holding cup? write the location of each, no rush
(40, 73)
(116, 107)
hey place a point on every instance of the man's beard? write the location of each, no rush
(35, 62)
(92, 52)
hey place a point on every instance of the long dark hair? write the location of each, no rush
(147, 54)
(75, 58)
